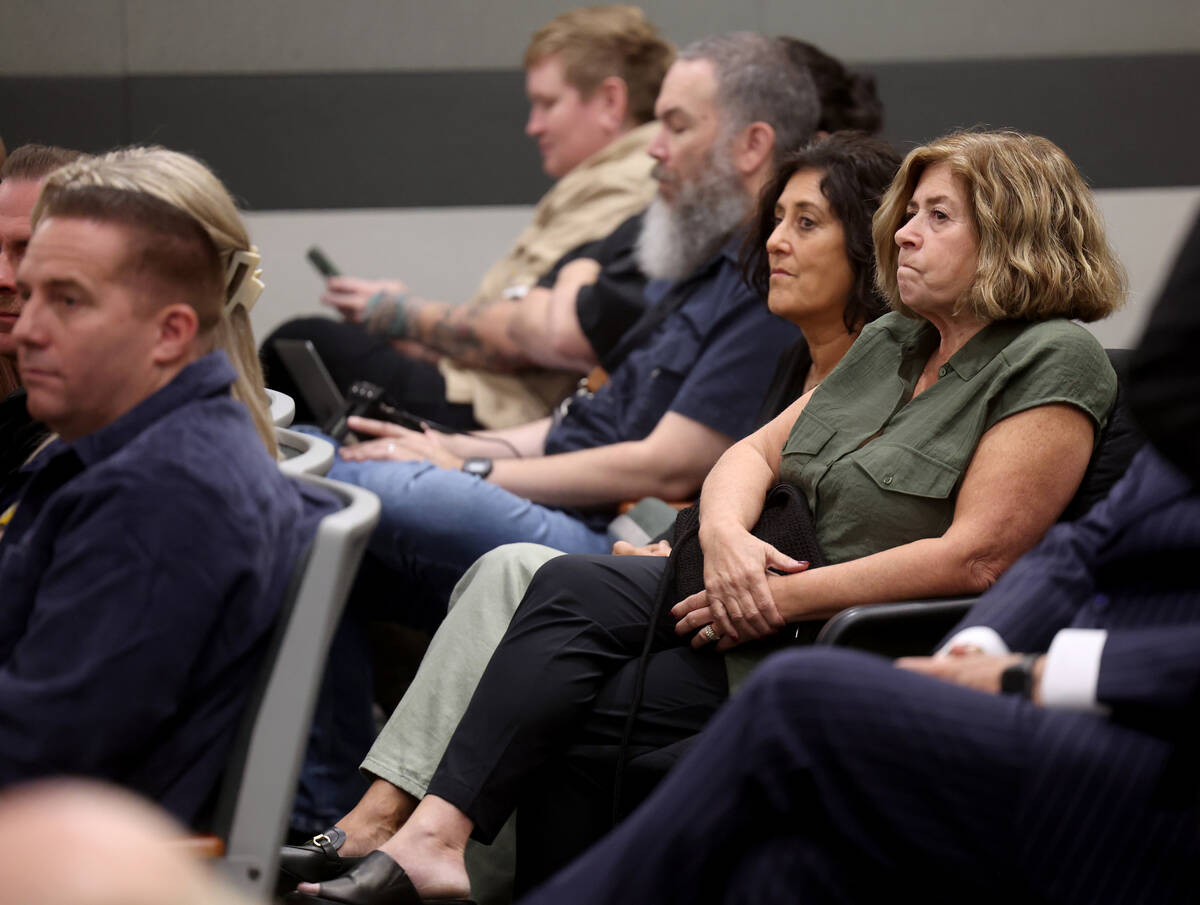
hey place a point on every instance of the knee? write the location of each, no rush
(507, 561)
(503, 573)
(806, 678)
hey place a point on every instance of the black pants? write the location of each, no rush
(351, 353)
(563, 676)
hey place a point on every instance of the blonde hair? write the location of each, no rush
(1042, 247)
(596, 42)
(188, 185)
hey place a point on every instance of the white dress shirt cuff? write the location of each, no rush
(983, 637)
(1072, 670)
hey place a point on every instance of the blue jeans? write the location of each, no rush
(434, 524)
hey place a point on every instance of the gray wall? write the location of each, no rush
(115, 37)
(363, 124)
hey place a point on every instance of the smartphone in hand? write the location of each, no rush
(324, 266)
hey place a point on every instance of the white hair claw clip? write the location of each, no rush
(243, 280)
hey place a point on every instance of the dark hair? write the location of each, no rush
(33, 162)
(848, 99)
(166, 244)
(856, 170)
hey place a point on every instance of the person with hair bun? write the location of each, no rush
(849, 101)
(187, 184)
(145, 558)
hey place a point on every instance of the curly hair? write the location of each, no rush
(855, 170)
(1042, 247)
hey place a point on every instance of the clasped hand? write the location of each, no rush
(970, 667)
(398, 444)
(737, 599)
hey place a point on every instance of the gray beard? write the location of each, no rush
(677, 237)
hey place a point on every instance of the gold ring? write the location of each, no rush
(710, 633)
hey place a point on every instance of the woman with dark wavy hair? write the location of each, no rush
(939, 449)
(813, 224)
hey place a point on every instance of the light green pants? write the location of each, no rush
(410, 747)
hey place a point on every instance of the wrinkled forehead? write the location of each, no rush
(690, 87)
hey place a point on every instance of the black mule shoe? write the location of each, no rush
(377, 880)
(313, 862)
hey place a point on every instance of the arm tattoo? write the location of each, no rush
(452, 330)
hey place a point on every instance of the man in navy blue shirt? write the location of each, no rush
(143, 565)
(692, 371)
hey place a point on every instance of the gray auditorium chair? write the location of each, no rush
(260, 781)
(283, 408)
(303, 453)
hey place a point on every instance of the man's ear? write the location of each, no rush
(178, 325)
(753, 148)
(612, 97)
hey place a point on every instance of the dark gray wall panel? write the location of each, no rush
(88, 112)
(386, 140)
(455, 138)
(1125, 121)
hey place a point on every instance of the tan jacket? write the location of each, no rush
(585, 205)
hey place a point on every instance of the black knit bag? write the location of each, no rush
(786, 524)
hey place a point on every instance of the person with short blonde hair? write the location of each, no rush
(1042, 248)
(591, 76)
(596, 42)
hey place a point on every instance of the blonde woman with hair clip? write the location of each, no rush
(184, 182)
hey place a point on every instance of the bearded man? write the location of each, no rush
(693, 370)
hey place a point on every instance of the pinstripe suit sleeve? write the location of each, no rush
(1150, 670)
(1048, 587)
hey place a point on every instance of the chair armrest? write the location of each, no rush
(283, 408)
(912, 628)
(303, 453)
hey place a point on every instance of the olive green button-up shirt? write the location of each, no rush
(881, 468)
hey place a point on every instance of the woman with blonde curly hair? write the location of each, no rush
(940, 449)
(184, 182)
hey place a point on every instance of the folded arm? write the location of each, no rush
(545, 326)
(1024, 471)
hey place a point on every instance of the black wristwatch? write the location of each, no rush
(1018, 678)
(478, 466)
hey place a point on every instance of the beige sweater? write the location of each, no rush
(585, 205)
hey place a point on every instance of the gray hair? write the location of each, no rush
(757, 81)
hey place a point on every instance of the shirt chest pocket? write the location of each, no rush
(903, 469)
(661, 378)
(810, 435)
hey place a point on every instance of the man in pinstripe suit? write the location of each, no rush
(978, 775)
